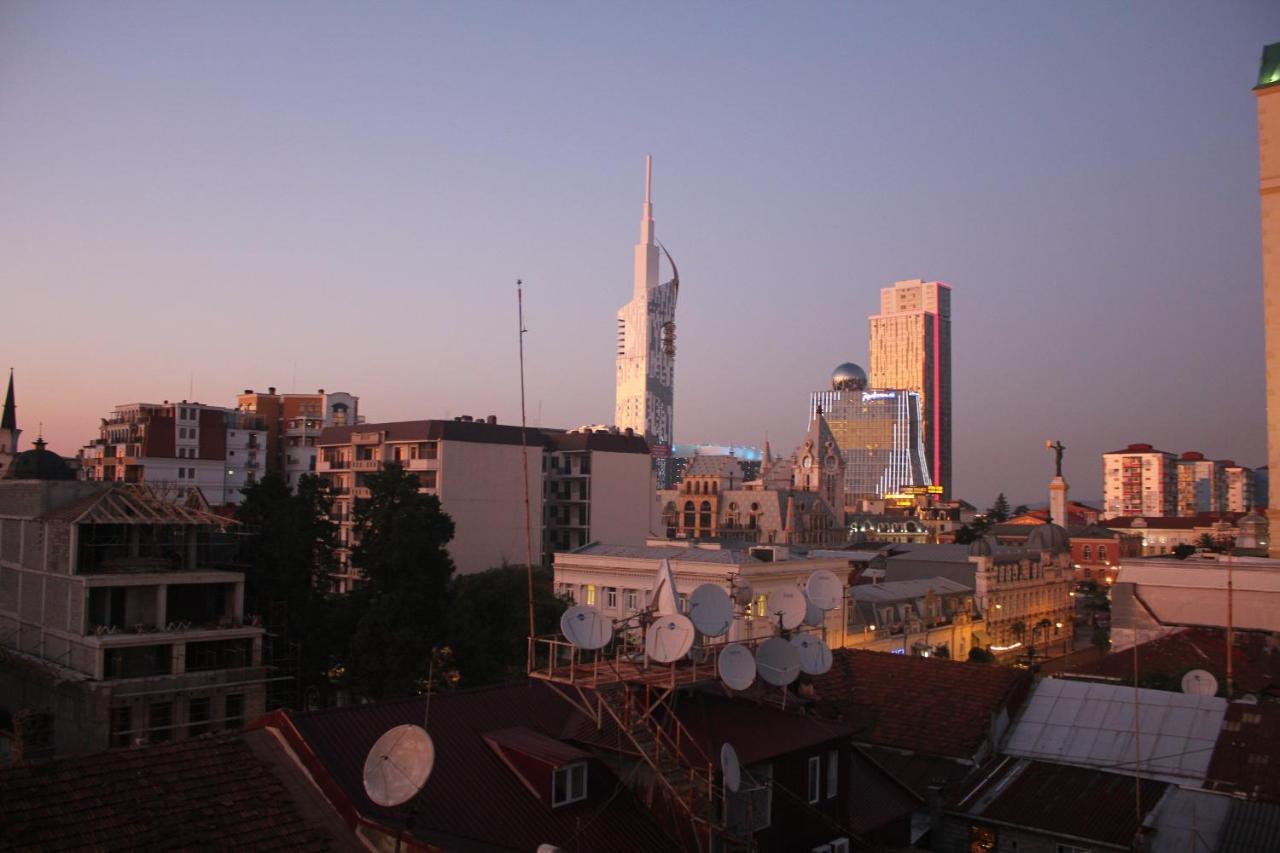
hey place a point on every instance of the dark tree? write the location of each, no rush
(404, 600)
(977, 654)
(1020, 509)
(999, 511)
(972, 531)
(489, 622)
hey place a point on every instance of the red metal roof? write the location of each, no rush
(757, 732)
(1246, 758)
(926, 705)
(474, 800)
(208, 793)
(1058, 799)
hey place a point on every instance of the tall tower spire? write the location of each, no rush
(9, 420)
(646, 276)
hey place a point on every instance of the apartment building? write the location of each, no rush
(180, 446)
(582, 485)
(1202, 484)
(1239, 493)
(294, 423)
(1139, 480)
(121, 620)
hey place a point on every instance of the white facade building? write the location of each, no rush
(1239, 487)
(645, 383)
(1139, 480)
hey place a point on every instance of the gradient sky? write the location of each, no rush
(238, 192)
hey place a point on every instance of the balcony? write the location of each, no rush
(367, 465)
(362, 492)
(333, 464)
(420, 464)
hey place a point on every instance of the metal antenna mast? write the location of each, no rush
(524, 452)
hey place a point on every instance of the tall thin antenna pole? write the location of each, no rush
(524, 461)
(1137, 739)
(1231, 632)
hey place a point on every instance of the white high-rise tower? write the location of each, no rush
(647, 344)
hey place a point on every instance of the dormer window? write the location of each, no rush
(569, 784)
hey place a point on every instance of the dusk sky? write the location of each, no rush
(235, 193)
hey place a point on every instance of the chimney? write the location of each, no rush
(321, 391)
(491, 419)
(630, 432)
(271, 389)
(248, 390)
(466, 419)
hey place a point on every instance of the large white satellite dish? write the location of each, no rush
(730, 767)
(1200, 682)
(815, 655)
(670, 637)
(398, 765)
(711, 610)
(824, 590)
(737, 666)
(777, 661)
(665, 597)
(789, 601)
(743, 594)
(586, 627)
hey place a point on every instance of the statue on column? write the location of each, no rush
(1057, 449)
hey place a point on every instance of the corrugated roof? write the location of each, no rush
(1090, 724)
(758, 732)
(1060, 800)
(473, 799)
(207, 793)
(1250, 828)
(925, 705)
(900, 590)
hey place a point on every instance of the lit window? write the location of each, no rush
(761, 604)
(569, 784)
(589, 595)
(815, 778)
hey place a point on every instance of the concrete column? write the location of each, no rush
(1058, 501)
(162, 606)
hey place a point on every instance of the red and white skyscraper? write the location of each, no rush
(911, 350)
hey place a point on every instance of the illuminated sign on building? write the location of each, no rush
(879, 395)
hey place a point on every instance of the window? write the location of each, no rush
(121, 723)
(569, 784)
(833, 773)
(428, 479)
(198, 716)
(191, 473)
(182, 473)
(688, 514)
(704, 515)
(159, 731)
(631, 600)
(1087, 552)
(762, 602)
(1102, 552)
(589, 595)
(611, 597)
(815, 778)
(234, 713)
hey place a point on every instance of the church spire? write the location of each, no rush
(9, 420)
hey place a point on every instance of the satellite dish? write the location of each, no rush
(743, 594)
(815, 655)
(789, 601)
(665, 597)
(730, 767)
(777, 661)
(1200, 682)
(711, 610)
(824, 590)
(669, 638)
(398, 765)
(737, 666)
(586, 627)
(813, 614)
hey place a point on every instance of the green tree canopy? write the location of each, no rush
(489, 622)
(999, 511)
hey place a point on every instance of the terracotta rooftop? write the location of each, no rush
(1058, 799)
(208, 793)
(924, 705)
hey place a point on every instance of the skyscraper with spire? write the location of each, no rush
(645, 384)
(9, 431)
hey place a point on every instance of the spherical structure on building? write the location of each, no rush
(1253, 531)
(39, 464)
(848, 377)
(1049, 538)
(983, 546)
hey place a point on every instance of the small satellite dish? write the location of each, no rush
(777, 661)
(669, 638)
(737, 666)
(730, 767)
(711, 610)
(813, 614)
(743, 594)
(789, 601)
(398, 765)
(1200, 682)
(586, 627)
(815, 655)
(824, 590)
